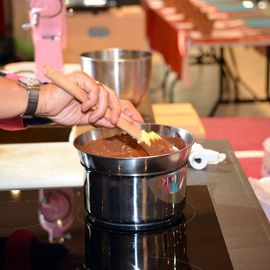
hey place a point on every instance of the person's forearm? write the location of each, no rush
(13, 98)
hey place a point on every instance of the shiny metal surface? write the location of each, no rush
(164, 249)
(135, 193)
(135, 203)
(154, 165)
(125, 71)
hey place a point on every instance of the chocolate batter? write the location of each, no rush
(123, 146)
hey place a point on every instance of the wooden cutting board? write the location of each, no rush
(40, 165)
(182, 115)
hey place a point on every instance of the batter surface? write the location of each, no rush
(123, 146)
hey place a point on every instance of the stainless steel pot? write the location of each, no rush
(135, 203)
(135, 193)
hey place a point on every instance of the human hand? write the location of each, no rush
(128, 111)
(62, 108)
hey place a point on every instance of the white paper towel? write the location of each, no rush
(39, 165)
(200, 157)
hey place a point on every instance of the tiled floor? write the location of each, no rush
(203, 86)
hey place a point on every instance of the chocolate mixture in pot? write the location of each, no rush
(122, 146)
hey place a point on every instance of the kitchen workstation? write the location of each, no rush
(159, 196)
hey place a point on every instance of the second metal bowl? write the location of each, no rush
(152, 165)
(126, 71)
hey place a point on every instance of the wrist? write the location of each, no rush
(31, 114)
(32, 86)
(24, 98)
(41, 110)
(40, 116)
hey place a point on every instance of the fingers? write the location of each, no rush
(113, 104)
(130, 112)
(100, 99)
(101, 105)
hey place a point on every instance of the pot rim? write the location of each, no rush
(138, 158)
(93, 55)
(148, 165)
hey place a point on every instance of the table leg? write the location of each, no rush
(222, 77)
(227, 73)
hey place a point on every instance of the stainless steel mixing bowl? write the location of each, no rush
(135, 166)
(126, 71)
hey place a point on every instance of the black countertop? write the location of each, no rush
(244, 225)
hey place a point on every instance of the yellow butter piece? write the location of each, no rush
(146, 137)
